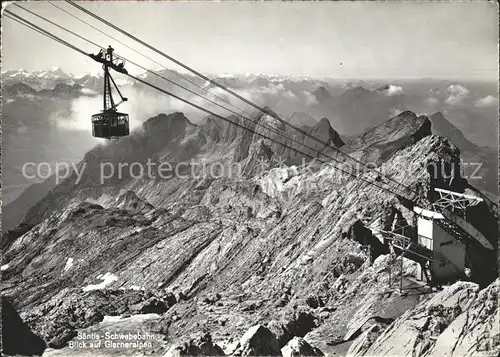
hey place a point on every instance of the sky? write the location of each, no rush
(457, 40)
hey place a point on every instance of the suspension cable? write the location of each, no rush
(63, 42)
(55, 38)
(43, 32)
(130, 61)
(90, 13)
(157, 74)
(58, 26)
(47, 34)
(254, 132)
(148, 58)
(266, 126)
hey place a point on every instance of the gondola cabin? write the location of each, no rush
(109, 125)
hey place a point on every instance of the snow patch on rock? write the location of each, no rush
(278, 180)
(107, 279)
(69, 264)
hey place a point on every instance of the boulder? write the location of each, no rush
(295, 323)
(198, 345)
(279, 330)
(297, 346)
(258, 341)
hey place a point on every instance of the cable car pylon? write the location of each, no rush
(109, 123)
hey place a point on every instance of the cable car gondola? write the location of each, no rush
(109, 123)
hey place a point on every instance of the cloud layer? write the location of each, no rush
(456, 94)
(394, 90)
(488, 101)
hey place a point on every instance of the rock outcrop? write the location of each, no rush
(458, 321)
(59, 319)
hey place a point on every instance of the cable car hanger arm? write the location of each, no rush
(123, 99)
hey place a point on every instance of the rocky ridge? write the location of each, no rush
(279, 257)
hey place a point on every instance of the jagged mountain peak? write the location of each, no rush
(55, 72)
(62, 87)
(406, 115)
(322, 94)
(395, 134)
(323, 126)
(15, 73)
(47, 79)
(211, 121)
(270, 121)
(268, 115)
(163, 122)
(324, 122)
(443, 127)
(19, 89)
(323, 130)
(212, 128)
(406, 120)
(438, 114)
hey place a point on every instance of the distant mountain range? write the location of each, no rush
(51, 78)
(357, 109)
(350, 108)
(215, 139)
(54, 73)
(46, 79)
(60, 90)
(37, 80)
